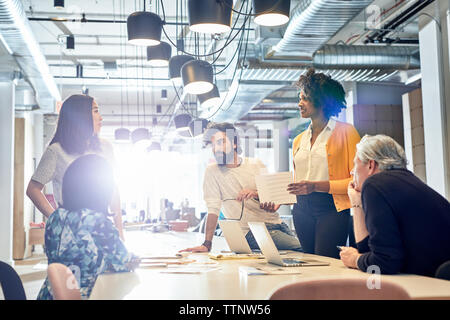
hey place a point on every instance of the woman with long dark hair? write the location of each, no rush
(79, 124)
(79, 234)
(323, 158)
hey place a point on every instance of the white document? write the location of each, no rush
(273, 188)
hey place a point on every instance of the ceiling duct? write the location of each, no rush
(17, 37)
(363, 57)
(314, 22)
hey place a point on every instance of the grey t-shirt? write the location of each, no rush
(55, 161)
(222, 183)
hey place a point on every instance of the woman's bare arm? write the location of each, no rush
(34, 192)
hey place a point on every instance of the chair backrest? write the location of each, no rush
(443, 272)
(11, 284)
(63, 282)
(339, 289)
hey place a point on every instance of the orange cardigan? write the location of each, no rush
(341, 149)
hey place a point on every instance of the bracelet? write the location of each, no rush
(207, 244)
(356, 206)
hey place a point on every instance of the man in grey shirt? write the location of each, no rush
(231, 181)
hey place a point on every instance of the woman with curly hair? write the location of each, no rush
(323, 158)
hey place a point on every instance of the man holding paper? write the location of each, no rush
(230, 183)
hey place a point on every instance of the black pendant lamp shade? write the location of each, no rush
(210, 16)
(140, 134)
(198, 76)
(175, 64)
(58, 4)
(144, 28)
(271, 13)
(209, 99)
(198, 127)
(122, 134)
(159, 55)
(182, 121)
(155, 146)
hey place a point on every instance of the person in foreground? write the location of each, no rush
(230, 182)
(401, 224)
(79, 234)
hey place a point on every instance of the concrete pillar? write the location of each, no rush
(434, 105)
(281, 153)
(7, 90)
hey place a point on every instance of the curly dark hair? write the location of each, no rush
(325, 93)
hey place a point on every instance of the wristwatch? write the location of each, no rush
(207, 244)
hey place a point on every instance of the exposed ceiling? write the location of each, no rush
(258, 80)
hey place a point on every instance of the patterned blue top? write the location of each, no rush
(87, 242)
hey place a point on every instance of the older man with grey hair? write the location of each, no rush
(401, 224)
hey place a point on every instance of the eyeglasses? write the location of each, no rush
(242, 210)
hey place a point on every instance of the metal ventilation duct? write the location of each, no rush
(17, 37)
(362, 57)
(314, 22)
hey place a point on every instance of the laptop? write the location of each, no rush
(234, 236)
(270, 251)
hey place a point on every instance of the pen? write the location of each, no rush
(340, 248)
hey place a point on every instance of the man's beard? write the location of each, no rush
(223, 158)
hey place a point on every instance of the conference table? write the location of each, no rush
(208, 279)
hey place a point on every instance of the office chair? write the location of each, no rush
(63, 282)
(339, 289)
(11, 284)
(443, 272)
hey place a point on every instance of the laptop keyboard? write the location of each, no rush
(292, 262)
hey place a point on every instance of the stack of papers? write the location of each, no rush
(232, 255)
(273, 188)
(261, 269)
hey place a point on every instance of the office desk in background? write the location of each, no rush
(227, 283)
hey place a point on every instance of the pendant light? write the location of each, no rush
(182, 122)
(155, 146)
(58, 4)
(122, 134)
(198, 127)
(209, 99)
(271, 13)
(140, 134)
(197, 76)
(144, 28)
(159, 55)
(210, 16)
(175, 64)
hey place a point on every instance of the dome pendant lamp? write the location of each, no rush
(198, 76)
(144, 28)
(209, 99)
(210, 16)
(140, 134)
(122, 134)
(271, 13)
(182, 122)
(159, 55)
(175, 64)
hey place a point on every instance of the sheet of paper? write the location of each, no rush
(272, 187)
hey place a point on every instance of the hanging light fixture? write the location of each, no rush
(271, 13)
(58, 4)
(197, 76)
(144, 28)
(209, 99)
(210, 16)
(159, 55)
(163, 94)
(155, 146)
(175, 64)
(182, 122)
(198, 127)
(70, 42)
(140, 134)
(122, 134)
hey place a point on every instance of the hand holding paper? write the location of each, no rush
(273, 188)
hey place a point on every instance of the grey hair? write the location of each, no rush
(383, 150)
